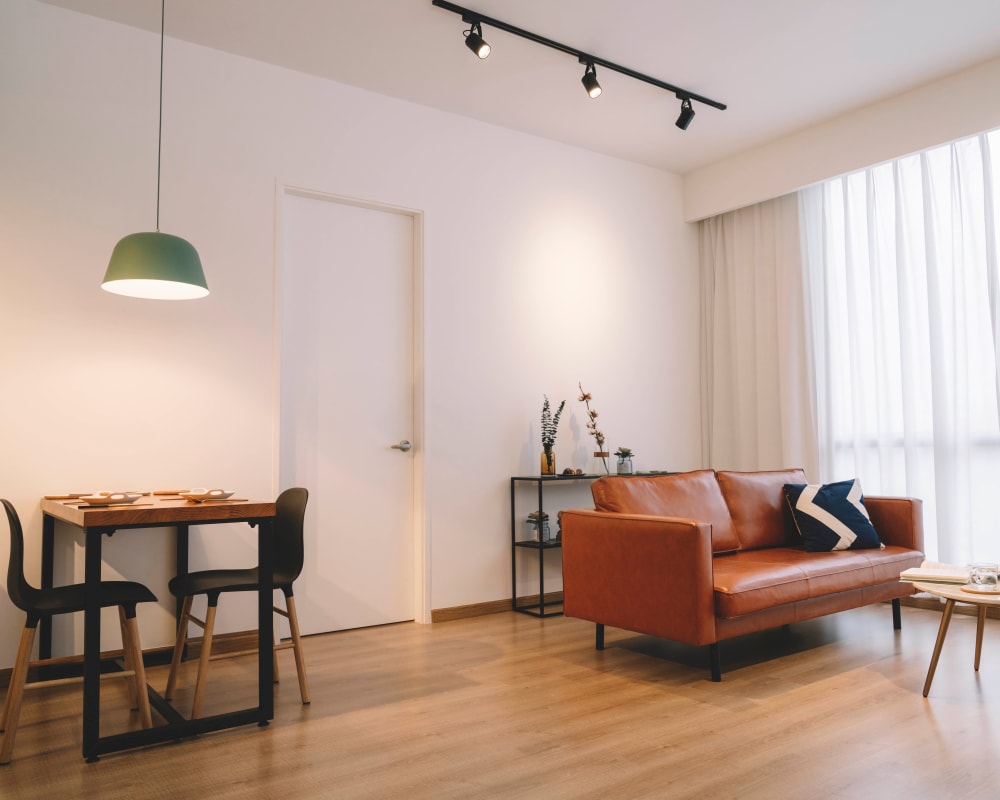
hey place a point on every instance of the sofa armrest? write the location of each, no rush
(647, 574)
(898, 521)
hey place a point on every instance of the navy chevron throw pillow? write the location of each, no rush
(831, 516)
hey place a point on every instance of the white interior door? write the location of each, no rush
(347, 283)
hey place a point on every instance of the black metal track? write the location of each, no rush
(474, 17)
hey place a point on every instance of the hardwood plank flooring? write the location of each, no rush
(508, 706)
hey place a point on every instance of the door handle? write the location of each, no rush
(403, 445)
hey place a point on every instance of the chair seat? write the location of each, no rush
(73, 598)
(211, 581)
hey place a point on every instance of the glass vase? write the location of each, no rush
(625, 465)
(548, 462)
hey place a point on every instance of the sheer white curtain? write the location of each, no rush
(757, 411)
(904, 315)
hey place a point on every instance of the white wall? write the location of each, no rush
(544, 265)
(954, 107)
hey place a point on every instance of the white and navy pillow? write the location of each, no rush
(831, 516)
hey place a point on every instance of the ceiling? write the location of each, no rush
(779, 65)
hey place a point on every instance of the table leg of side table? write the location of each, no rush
(980, 624)
(949, 607)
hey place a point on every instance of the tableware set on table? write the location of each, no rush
(98, 499)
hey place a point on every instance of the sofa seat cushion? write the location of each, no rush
(754, 580)
(684, 495)
(756, 501)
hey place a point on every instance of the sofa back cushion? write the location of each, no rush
(687, 495)
(757, 506)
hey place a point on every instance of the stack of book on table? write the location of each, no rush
(933, 572)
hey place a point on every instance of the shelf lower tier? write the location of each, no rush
(533, 545)
(540, 612)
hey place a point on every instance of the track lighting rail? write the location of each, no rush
(475, 18)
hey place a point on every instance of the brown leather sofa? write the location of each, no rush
(701, 557)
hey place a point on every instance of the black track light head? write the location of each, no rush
(475, 42)
(686, 115)
(589, 80)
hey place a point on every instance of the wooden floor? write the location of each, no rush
(508, 706)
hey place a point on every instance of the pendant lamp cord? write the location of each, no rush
(159, 135)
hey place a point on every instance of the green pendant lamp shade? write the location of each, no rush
(157, 266)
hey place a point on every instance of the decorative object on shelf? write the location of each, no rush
(592, 428)
(624, 460)
(571, 471)
(550, 424)
(540, 527)
(548, 462)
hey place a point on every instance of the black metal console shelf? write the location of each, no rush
(538, 609)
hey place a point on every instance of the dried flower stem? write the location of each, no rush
(585, 398)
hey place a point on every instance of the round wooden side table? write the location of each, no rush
(954, 593)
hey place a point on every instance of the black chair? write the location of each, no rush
(42, 603)
(288, 557)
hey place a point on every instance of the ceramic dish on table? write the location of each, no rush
(201, 495)
(110, 498)
(973, 588)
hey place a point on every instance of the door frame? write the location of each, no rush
(421, 544)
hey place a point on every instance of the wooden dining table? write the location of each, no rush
(150, 514)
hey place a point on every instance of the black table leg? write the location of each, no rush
(48, 576)
(92, 645)
(265, 621)
(182, 549)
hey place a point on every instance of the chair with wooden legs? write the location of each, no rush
(288, 558)
(42, 603)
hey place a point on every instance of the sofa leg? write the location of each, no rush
(897, 620)
(599, 641)
(716, 662)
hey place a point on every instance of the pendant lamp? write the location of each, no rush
(156, 265)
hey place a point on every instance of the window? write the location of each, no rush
(903, 298)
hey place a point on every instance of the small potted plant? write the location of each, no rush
(550, 424)
(624, 460)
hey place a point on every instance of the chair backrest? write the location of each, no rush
(289, 551)
(21, 593)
